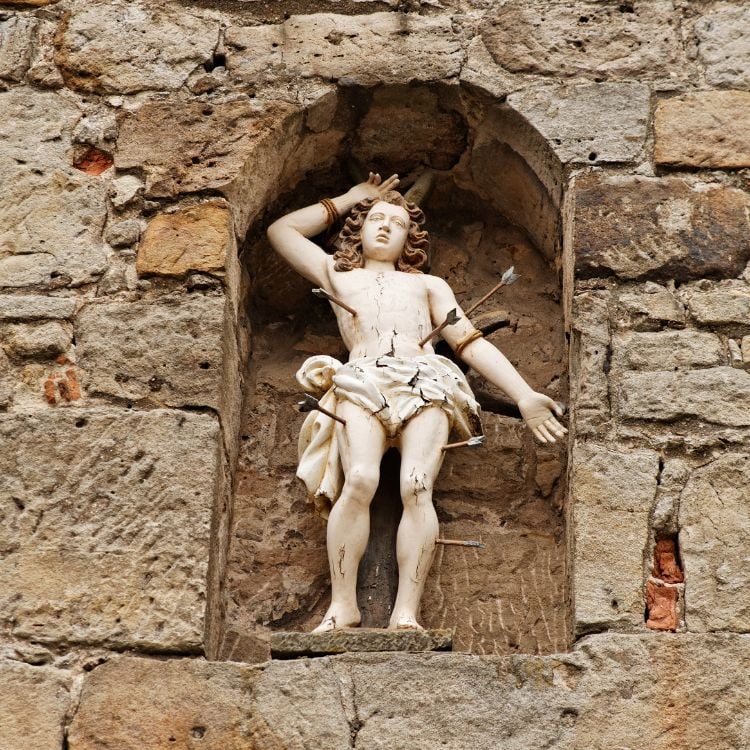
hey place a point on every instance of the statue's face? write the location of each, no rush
(384, 232)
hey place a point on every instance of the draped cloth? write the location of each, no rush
(393, 389)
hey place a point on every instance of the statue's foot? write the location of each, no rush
(404, 622)
(339, 617)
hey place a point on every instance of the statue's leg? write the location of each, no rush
(362, 443)
(421, 457)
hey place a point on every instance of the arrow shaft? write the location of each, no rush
(460, 543)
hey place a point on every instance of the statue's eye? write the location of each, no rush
(376, 217)
(399, 223)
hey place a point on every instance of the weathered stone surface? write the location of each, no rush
(656, 691)
(636, 227)
(196, 238)
(124, 47)
(714, 542)
(726, 304)
(706, 130)
(723, 36)
(409, 47)
(168, 352)
(481, 70)
(16, 38)
(36, 340)
(36, 247)
(294, 645)
(34, 704)
(105, 534)
(585, 38)
(717, 395)
(650, 308)
(29, 3)
(43, 71)
(406, 128)
(591, 352)
(612, 492)
(185, 147)
(668, 350)
(35, 308)
(123, 233)
(588, 122)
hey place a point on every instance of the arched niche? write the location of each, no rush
(496, 202)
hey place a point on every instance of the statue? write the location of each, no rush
(394, 391)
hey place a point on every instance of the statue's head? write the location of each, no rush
(387, 228)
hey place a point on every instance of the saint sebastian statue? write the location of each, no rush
(394, 390)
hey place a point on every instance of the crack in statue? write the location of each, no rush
(393, 391)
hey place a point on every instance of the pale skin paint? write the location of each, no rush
(395, 311)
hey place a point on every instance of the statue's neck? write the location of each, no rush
(380, 266)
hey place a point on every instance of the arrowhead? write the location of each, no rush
(309, 404)
(320, 293)
(478, 440)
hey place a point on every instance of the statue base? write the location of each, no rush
(297, 645)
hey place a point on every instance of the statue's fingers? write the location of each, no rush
(378, 179)
(538, 435)
(547, 434)
(391, 182)
(555, 426)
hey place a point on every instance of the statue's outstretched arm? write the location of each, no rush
(537, 409)
(288, 235)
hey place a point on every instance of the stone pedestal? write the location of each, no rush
(296, 645)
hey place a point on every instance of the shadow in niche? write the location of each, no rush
(513, 595)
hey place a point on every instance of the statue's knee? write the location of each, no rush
(362, 483)
(416, 487)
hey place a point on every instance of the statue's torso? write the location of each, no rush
(393, 312)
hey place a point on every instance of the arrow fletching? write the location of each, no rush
(509, 277)
(452, 318)
(320, 293)
(310, 403)
(478, 440)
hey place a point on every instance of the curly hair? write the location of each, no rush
(415, 256)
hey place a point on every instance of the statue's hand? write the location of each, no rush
(538, 412)
(374, 187)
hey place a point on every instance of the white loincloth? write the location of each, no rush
(393, 389)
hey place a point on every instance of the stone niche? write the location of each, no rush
(496, 203)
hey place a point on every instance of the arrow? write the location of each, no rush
(460, 543)
(450, 319)
(506, 279)
(311, 403)
(323, 294)
(471, 442)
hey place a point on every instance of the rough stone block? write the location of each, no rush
(296, 645)
(123, 233)
(196, 238)
(16, 44)
(185, 147)
(409, 47)
(588, 122)
(717, 395)
(650, 308)
(591, 351)
(668, 350)
(612, 492)
(36, 340)
(682, 691)
(587, 39)
(722, 305)
(723, 35)
(168, 352)
(706, 130)
(125, 47)
(714, 542)
(40, 186)
(36, 308)
(34, 705)
(639, 227)
(106, 532)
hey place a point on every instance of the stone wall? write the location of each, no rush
(143, 144)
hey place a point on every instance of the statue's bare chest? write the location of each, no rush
(381, 294)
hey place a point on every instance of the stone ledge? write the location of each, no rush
(295, 645)
(653, 691)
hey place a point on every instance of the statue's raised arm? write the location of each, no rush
(289, 234)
